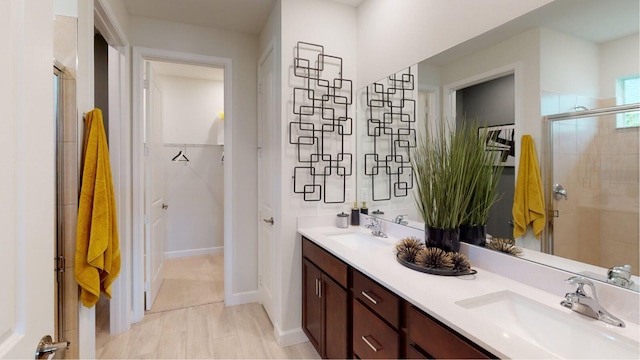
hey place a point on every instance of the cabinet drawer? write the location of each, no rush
(328, 263)
(372, 338)
(382, 301)
(437, 340)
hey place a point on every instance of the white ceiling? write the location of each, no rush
(246, 16)
(188, 71)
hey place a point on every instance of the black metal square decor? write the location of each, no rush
(321, 125)
(391, 128)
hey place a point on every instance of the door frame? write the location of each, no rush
(450, 89)
(140, 55)
(105, 21)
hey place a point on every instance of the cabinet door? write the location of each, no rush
(312, 305)
(336, 337)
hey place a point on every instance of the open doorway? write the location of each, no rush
(184, 185)
(492, 103)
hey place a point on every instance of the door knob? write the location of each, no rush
(164, 206)
(268, 221)
(47, 348)
(559, 192)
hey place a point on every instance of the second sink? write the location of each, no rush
(552, 330)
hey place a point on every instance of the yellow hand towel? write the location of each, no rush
(528, 200)
(97, 258)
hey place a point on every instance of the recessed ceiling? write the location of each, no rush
(245, 16)
(188, 71)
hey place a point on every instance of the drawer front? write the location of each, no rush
(377, 298)
(328, 263)
(438, 341)
(413, 353)
(372, 338)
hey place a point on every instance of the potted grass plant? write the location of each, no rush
(484, 195)
(447, 165)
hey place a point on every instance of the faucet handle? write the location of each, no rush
(581, 281)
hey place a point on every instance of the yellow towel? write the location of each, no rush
(97, 258)
(528, 200)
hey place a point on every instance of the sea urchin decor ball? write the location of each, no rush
(408, 248)
(505, 245)
(460, 262)
(434, 258)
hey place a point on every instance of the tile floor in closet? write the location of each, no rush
(189, 321)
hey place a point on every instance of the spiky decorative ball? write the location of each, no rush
(408, 248)
(505, 245)
(460, 261)
(434, 258)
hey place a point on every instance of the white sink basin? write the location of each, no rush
(355, 240)
(552, 330)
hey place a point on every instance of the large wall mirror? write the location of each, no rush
(567, 56)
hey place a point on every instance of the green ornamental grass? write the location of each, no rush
(455, 177)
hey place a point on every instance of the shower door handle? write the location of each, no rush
(559, 192)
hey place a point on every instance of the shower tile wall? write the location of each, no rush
(598, 165)
(619, 195)
(65, 29)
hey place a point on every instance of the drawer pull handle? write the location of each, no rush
(316, 286)
(364, 293)
(364, 338)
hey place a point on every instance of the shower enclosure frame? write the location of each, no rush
(547, 243)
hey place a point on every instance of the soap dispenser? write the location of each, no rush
(355, 216)
(364, 209)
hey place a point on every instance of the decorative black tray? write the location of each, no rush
(443, 272)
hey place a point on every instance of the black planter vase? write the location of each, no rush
(445, 239)
(474, 234)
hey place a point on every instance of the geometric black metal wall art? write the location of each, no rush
(321, 125)
(391, 129)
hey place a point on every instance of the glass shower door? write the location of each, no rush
(592, 188)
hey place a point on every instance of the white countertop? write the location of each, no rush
(437, 295)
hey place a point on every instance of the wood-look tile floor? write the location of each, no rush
(206, 331)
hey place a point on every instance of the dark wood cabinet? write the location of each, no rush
(325, 303)
(434, 340)
(311, 303)
(372, 337)
(347, 314)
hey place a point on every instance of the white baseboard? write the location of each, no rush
(242, 298)
(289, 337)
(193, 252)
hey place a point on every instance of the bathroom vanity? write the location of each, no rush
(337, 297)
(359, 302)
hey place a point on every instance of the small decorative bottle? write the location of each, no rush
(364, 209)
(355, 216)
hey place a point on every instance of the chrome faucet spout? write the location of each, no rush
(580, 302)
(376, 227)
(401, 219)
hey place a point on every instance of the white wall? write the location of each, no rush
(191, 109)
(194, 189)
(568, 65)
(393, 35)
(305, 20)
(617, 58)
(242, 49)
(195, 195)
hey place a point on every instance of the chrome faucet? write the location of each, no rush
(620, 275)
(376, 227)
(582, 303)
(401, 219)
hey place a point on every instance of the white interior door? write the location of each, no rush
(27, 180)
(154, 190)
(266, 124)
